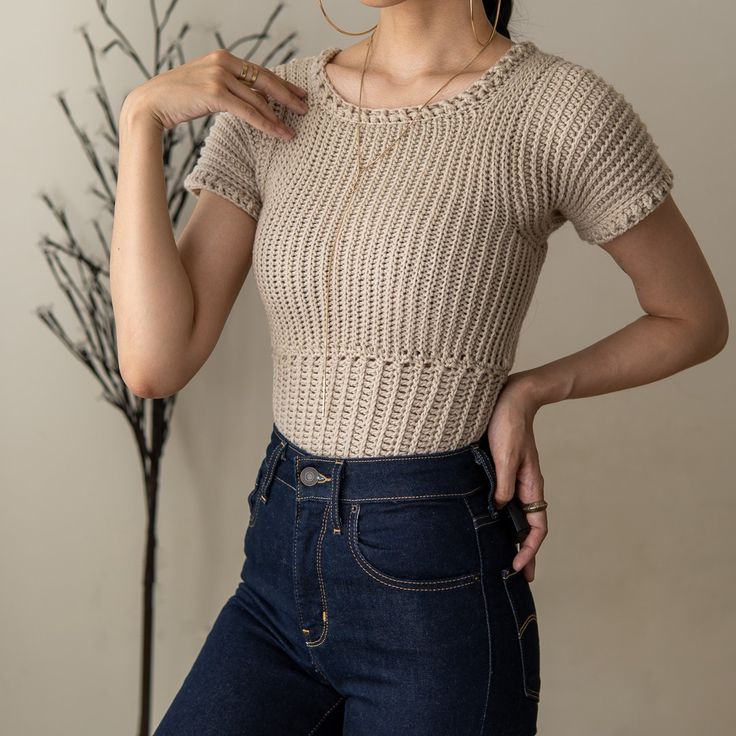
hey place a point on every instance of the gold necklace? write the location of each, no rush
(360, 168)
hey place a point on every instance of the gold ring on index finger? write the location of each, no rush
(530, 508)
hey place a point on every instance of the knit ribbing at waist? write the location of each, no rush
(382, 405)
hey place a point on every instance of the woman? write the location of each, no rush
(383, 591)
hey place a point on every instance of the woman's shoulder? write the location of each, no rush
(297, 69)
(565, 96)
(560, 77)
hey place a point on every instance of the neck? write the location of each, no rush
(419, 37)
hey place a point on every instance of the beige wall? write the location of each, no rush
(634, 584)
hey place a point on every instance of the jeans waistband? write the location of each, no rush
(457, 472)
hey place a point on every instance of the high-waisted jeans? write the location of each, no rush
(377, 598)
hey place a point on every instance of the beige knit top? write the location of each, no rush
(441, 246)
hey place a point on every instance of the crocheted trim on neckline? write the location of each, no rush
(482, 87)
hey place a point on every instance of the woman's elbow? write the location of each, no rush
(721, 337)
(711, 334)
(148, 383)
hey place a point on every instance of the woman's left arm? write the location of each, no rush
(685, 323)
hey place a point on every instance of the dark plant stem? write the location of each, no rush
(151, 477)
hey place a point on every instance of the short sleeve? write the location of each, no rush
(227, 164)
(610, 173)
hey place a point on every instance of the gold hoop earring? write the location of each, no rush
(337, 28)
(495, 23)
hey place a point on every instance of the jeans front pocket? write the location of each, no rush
(521, 600)
(426, 544)
(258, 496)
(253, 500)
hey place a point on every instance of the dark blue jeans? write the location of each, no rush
(377, 598)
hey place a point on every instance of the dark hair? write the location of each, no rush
(504, 15)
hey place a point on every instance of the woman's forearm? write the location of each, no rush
(646, 350)
(150, 289)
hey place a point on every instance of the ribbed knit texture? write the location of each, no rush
(441, 247)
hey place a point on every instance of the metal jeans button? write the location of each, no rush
(309, 476)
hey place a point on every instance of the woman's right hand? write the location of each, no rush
(211, 84)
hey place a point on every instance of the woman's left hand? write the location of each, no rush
(514, 452)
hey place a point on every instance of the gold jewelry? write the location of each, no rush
(530, 508)
(472, 22)
(249, 73)
(361, 167)
(337, 28)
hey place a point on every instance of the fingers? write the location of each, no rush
(521, 476)
(517, 476)
(529, 569)
(506, 471)
(531, 544)
(297, 93)
(267, 83)
(256, 111)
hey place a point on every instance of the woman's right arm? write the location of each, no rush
(171, 300)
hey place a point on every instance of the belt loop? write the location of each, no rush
(270, 468)
(335, 497)
(485, 460)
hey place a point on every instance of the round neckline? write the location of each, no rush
(491, 79)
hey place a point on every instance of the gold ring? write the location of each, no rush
(529, 508)
(249, 73)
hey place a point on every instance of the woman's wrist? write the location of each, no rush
(136, 111)
(536, 388)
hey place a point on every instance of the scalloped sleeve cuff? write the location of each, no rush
(227, 164)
